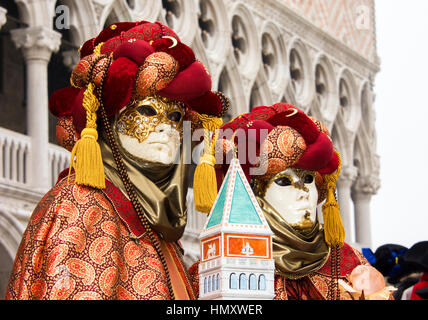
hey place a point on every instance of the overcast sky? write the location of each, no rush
(399, 211)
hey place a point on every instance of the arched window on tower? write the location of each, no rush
(233, 281)
(253, 282)
(205, 285)
(213, 288)
(218, 282)
(243, 281)
(209, 284)
(262, 282)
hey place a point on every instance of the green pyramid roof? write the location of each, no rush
(239, 207)
(242, 210)
(217, 213)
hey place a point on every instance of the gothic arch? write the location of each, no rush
(181, 16)
(80, 29)
(114, 12)
(246, 40)
(200, 54)
(325, 88)
(215, 29)
(37, 13)
(301, 76)
(289, 96)
(11, 232)
(260, 93)
(140, 11)
(230, 84)
(362, 155)
(349, 101)
(367, 116)
(340, 138)
(274, 58)
(366, 161)
(26, 13)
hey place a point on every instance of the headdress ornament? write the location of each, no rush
(294, 140)
(128, 61)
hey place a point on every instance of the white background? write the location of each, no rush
(399, 211)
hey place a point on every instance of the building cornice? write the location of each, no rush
(295, 24)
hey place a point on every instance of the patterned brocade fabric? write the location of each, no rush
(315, 286)
(312, 287)
(194, 278)
(77, 246)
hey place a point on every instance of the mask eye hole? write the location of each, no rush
(174, 116)
(147, 110)
(283, 182)
(309, 178)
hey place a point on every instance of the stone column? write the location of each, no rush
(362, 193)
(344, 184)
(37, 45)
(3, 18)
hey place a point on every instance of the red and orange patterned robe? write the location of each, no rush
(84, 243)
(312, 287)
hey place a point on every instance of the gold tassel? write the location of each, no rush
(334, 233)
(86, 154)
(204, 180)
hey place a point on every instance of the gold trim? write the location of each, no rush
(174, 41)
(293, 113)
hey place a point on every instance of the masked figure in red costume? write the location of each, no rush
(295, 170)
(109, 228)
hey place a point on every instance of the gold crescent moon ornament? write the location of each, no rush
(293, 113)
(174, 41)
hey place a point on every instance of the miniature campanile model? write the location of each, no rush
(236, 244)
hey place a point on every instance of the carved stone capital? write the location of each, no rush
(3, 17)
(37, 43)
(368, 185)
(348, 174)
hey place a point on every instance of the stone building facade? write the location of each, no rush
(319, 55)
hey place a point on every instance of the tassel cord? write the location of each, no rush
(334, 232)
(130, 190)
(205, 181)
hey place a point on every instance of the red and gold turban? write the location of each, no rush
(126, 62)
(294, 140)
(147, 58)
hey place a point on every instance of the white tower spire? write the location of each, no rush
(236, 244)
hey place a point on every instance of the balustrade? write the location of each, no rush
(15, 149)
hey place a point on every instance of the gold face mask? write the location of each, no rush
(284, 179)
(142, 117)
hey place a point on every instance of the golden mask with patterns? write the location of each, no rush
(142, 117)
(261, 185)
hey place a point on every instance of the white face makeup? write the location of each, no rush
(160, 146)
(293, 194)
(150, 130)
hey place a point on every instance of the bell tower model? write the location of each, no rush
(236, 245)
